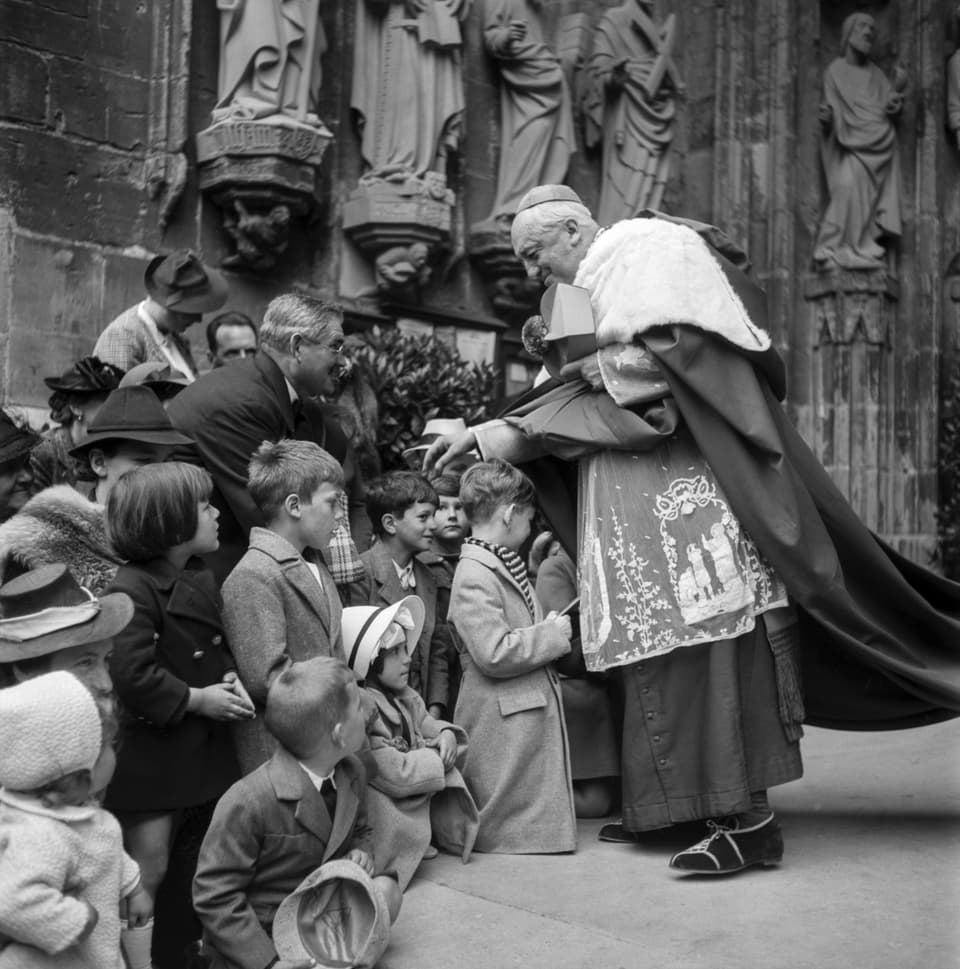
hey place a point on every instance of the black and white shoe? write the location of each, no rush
(729, 848)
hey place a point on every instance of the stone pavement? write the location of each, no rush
(870, 880)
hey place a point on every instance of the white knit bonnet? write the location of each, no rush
(49, 727)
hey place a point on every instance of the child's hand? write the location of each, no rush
(562, 621)
(139, 907)
(361, 858)
(219, 702)
(234, 682)
(447, 748)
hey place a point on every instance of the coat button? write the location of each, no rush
(217, 640)
(198, 654)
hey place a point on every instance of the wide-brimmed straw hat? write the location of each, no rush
(47, 610)
(335, 916)
(182, 283)
(362, 627)
(16, 441)
(131, 414)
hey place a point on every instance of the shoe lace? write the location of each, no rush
(716, 828)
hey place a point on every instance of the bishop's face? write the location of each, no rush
(552, 253)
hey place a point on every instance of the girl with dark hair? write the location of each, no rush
(171, 667)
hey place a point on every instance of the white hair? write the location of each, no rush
(539, 218)
(295, 314)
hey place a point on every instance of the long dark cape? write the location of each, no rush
(880, 634)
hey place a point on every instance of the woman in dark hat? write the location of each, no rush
(76, 400)
(16, 443)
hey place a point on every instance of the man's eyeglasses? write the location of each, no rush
(335, 348)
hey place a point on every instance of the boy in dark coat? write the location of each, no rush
(402, 506)
(302, 808)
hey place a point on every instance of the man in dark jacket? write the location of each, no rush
(231, 411)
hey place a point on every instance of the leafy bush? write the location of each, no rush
(415, 379)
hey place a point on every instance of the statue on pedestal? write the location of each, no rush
(259, 159)
(408, 97)
(860, 154)
(269, 59)
(407, 84)
(630, 107)
(536, 120)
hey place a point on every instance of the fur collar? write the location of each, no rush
(59, 525)
(643, 273)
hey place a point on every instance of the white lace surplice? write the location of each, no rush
(663, 560)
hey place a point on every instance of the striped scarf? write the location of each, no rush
(514, 565)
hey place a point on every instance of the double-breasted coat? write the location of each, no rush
(275, 613)
(169, 758)
(511, 708)
(380, 586)
(411, 793)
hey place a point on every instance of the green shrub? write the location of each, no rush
(415, 379)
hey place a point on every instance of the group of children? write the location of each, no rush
(306, 728)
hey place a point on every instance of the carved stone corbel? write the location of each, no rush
(259, 160)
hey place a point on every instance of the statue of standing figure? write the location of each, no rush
(630, 107)
(536, 119)
(269, 60)
(860, 154)
(408, 85)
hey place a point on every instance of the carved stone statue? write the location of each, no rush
(261, 237)
(269, 59)
(630, 107)
(536, 120)
(860, 154)
(407, 84)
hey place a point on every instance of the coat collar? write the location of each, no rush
(273, 376)
(387, 710)
(297, 572)
(493, 562)
(191, 594)
(291, 783)
(379, 562)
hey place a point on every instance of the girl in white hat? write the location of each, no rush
(64, 876)
(418, 792)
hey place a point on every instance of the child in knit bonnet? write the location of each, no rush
(65, 879)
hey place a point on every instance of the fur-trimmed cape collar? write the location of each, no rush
(643, 273)
(59, 525)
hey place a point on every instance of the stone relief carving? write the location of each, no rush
(259, 159)
(630, 107)
(536, 121)
(860, 154)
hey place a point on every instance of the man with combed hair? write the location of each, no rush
(231, 411)
(715, 554)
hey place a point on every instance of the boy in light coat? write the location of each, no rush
(280, 604)
(510, 702)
